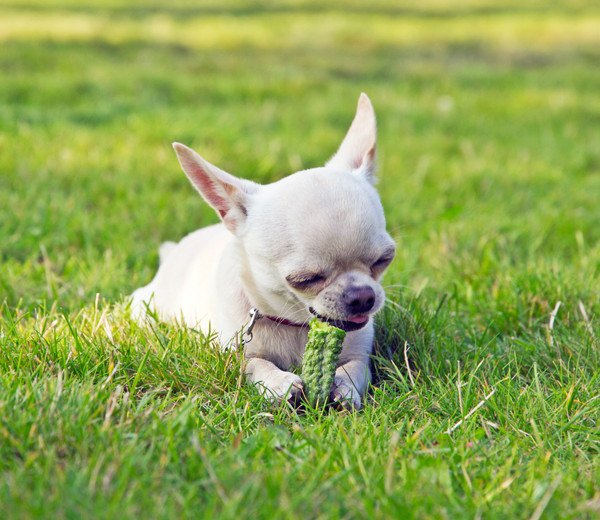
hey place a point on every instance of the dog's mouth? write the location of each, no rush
(355, 322)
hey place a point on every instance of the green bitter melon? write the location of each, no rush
(320, 359)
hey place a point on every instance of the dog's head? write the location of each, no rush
(313, 243)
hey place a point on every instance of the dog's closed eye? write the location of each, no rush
(305, 281)
(383, 261)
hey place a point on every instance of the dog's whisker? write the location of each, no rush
(397, 286)
(397, 306)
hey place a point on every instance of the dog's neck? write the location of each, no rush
(288, 323)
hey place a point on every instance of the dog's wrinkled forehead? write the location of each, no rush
(318, 212)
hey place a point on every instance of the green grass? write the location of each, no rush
(489, 121)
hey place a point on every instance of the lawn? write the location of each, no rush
(489, 139)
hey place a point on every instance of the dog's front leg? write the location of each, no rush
(353, 373)
(350, 383)
(273, 382)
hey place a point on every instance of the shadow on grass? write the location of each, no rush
(413, 333)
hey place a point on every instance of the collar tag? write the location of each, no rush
(255, 315)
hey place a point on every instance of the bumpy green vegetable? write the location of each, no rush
(320, 358)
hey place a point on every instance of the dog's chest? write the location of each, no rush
(281, 344)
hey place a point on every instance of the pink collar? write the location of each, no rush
(285, 321)
(255, 315)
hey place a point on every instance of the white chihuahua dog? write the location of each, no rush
(311, 244)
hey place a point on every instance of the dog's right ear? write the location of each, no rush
(228, 195)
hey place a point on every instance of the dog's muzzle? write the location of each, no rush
(355, 322)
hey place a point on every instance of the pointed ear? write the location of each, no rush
(228, 195)
(358, 149)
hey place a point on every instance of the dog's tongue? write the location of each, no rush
(359, 318)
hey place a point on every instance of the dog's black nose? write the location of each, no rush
(359, 299)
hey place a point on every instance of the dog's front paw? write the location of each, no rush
(344, 395)
(284, 385)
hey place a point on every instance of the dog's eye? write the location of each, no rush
(382, 262)
(305, 280)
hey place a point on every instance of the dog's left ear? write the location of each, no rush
(358, 149)
(228, 195)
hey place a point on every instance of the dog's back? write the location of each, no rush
(183, 287)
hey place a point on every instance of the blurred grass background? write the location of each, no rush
(489, 140)
(488, 114)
